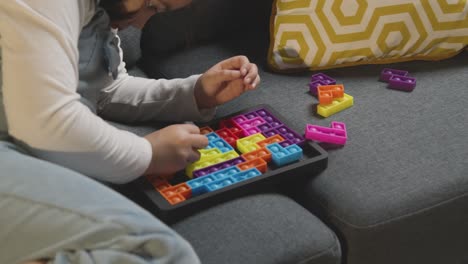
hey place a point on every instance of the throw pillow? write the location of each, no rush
(323, 34)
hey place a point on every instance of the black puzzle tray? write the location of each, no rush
(249, 151)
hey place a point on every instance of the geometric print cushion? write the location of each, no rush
(321, 34)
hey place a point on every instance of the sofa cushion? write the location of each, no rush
(396, 192)
(326, 34)
(202, 21)
(264, 228)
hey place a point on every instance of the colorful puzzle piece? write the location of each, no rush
(258, 135)
(398, 79)
(335, 134)
(284, 155)
(205, 130)
(387, 73)
(318, 80)
(331, 96)
(327, 93)
(402, 83)
(336, 106)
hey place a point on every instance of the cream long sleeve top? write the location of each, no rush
(39, 43)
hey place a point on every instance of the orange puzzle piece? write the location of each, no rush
(327, 93)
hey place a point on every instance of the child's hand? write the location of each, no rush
(174, 147)
(226, 81)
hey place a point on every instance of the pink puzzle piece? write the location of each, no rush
(335, 134)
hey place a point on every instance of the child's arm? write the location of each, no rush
(40, 79)
(135, 99)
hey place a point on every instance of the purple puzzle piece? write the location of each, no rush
(286, 143)
(270, 133)
(264, 127)
(251, 115)
(289, 134)
(271, 120)
(313, 86)
(216, 167)
(402, 83)
(324, 78)
(239, 119)
(319, 79)
(387, 73)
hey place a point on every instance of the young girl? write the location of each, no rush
(62, 74)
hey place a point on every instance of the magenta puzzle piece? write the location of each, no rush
(335, 134)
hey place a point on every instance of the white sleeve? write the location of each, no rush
(134, 99)
(40, 70)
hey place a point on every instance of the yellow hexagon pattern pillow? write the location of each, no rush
(321, 34)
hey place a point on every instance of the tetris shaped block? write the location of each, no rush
(282, 156)
(258, 163)
(313, 86)
(210, 161)
(323, 77)
(336, 106)
(237, 177)
(206, 154)
(404, 83)
(217, 167)
(220, 179)
(245, 175)
(327, 93)
(228, 136)
(270, 140)
(319, 79)
(205, 130)
(247, 144)
(177, 193)
(220, 144)
(262, 153)
(335, 134)
(387, 73)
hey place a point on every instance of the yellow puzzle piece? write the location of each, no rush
(338, 104)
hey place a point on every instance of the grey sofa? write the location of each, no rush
(396, 193)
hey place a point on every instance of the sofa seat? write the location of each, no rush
(397, 192)
(261, 228)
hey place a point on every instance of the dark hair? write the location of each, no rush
(114, 8)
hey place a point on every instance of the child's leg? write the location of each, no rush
(48, 212)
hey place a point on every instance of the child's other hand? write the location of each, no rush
(174, 147)
(225, 81)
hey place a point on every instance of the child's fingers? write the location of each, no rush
(198, 141)
(234, 63)
(227, 75)
(193, 156)
(190, 128)
(254, 84)
(252, 73)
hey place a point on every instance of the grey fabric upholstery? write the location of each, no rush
(203, 21)
(266, 228)
(396, 193)
(263, 228)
